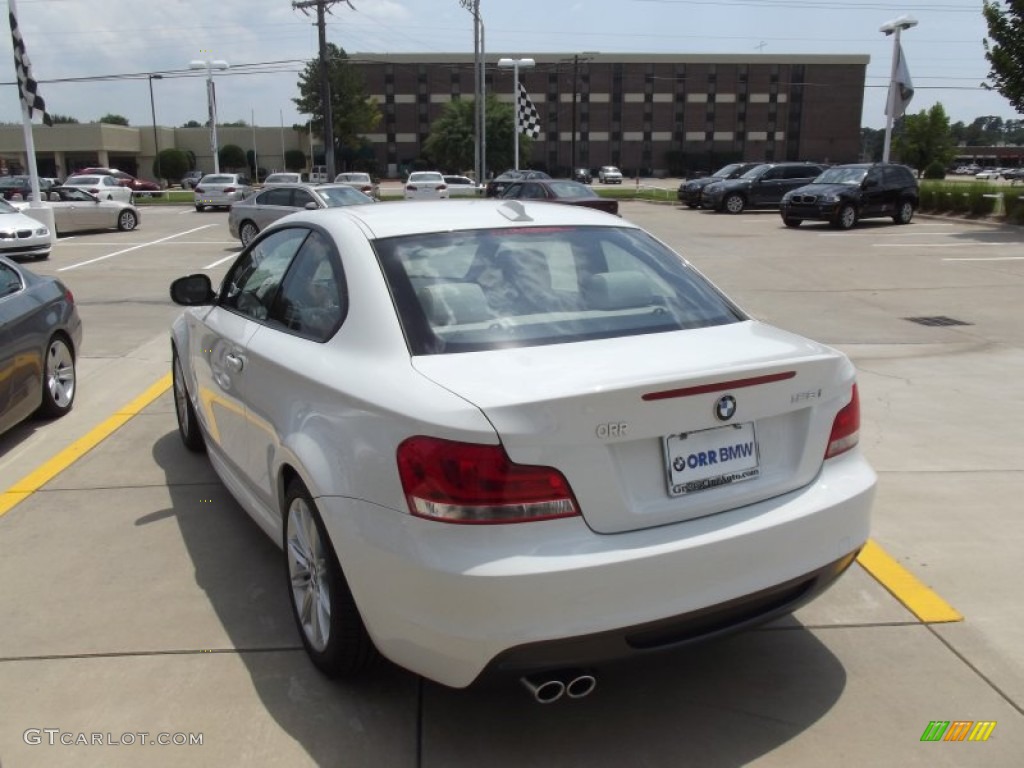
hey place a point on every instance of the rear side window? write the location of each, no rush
(488, 289)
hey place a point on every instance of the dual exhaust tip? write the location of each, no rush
(549, 687)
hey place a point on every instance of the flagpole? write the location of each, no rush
(515, 64)
(893, 28)
(26, 124)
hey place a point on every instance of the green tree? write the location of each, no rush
(231, 156)
(872, 144)
(114, 119)
(451, 141)
(925, 139)
(1004, 49)
(192, 124)
(65, 119)
(172, 164)
(294, 159)
(354, 113)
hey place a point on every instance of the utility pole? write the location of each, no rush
(322, 8)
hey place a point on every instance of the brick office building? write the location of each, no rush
(652, 113)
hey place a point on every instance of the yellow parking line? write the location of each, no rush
(52, 467)
(905, 587)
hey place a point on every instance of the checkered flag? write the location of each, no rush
(27, 87)
(527, 117)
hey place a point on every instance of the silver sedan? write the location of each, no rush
(75, 210)
(249, 217)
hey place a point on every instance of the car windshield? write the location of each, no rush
(336, 197)
(421, 177)
(571, 189)
(84, 180)
(14, 181)
(6, 207)
(754, 172)
(842, 176)
(725, 173)
(489, 289)
(218, 180)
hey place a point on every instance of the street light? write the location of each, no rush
(156, 141)
(515, 64)
(893, 27)
(211, 101)
(479, 88)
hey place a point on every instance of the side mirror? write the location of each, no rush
(311, 206)
(193, 290)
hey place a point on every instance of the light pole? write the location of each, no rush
(893, 28)
(515, 64)
(211, 101)
(479, 89)
(156, 141)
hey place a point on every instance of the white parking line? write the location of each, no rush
(987, 258)
(221, 261)
(938, 245)
(133, 248)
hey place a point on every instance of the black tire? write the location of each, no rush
(60, 382)
(846, 217)
(247, 232)
(904, 213)
(200, 208)
(692, 206)
(734, 203)
(188, 425)
(337, 644)
(127, 221)
(792, 223)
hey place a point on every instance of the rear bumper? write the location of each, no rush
(451, 602)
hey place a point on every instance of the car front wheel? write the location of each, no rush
(734, 204)
(325, 611)
(846, 217)
(188, 424)
(792, 223)
(58, 378)
(905, 213)
(127, 221)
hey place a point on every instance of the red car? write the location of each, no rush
(559, 191)
(124, 179)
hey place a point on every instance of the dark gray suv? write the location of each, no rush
(760, 187)
(847, 193)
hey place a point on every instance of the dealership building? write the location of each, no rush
(652, 114)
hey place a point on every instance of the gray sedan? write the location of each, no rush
(249, 217)
(40, 335)
(221, 190)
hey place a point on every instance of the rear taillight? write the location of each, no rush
(442, 186)
(457, 482)
(845, 428)
(411, 187)
(69, 296)
(366, 190)
(93, 191)
(229, 190)
(198, 190)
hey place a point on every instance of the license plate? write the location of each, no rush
(710, 458)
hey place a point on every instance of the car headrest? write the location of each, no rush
(618, 290)
(454, 303)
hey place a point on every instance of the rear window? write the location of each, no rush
(489, 289)
(218, 180)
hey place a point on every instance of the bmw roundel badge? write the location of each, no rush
(725, 408)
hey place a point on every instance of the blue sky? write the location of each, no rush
(266, 42)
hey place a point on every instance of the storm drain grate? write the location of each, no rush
(937, 320)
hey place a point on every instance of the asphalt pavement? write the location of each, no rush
(141, 605)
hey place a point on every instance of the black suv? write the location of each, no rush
(760, 187)
(689, 192)
(847, 193)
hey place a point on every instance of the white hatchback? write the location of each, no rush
(509, 436)
(426, 185)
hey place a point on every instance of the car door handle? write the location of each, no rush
(234, 363)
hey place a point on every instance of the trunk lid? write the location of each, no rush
(628, 420)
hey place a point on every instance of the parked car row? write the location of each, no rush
(841, 195)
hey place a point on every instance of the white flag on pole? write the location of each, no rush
(901, 89)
